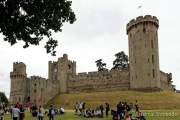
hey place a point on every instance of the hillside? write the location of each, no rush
(155, 100)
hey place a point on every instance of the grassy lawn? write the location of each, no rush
(150, 115)
(155, 106)
(147, 101)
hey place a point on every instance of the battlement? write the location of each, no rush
(82, 74)
(142, 19)
(95, 74)
(37, 78)
(18, 63)
(16, 75)
(19, 68)
(53, 62)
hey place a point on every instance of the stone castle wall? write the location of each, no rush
(38, 89)
(166, 83)
(42, 89)
(99, 81)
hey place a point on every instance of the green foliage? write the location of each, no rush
(32, 20)
(100, 65)
(121, 61)
(3, 98)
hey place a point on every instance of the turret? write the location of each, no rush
(18, 83)
(144, 53)
(59, 71)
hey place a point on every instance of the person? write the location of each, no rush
(40, 113)
(97, 112)
(51, 113)
(21, 115)
(1, 112)
(136, 107)
(102, 109)
(107, 109)
(81, 107)
(142, 117)
(15, 112)
(61, 110)
(114, 115)
(120, 110)
(34, 110)
(76, 107)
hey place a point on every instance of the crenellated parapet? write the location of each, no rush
(99, 78)
(19, 68)
(100, 73)
(141, 20)
(18, 63)
(17, 75)
(37, 78)
(99, 81)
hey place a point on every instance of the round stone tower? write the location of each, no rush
(18, 83)
(144, 53)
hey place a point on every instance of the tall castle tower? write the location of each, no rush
(144, 53)
(18, 83)
(58, 71)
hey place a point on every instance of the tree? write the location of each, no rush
(3, 98)
(100, 65)
(32, 20)
(121, 61)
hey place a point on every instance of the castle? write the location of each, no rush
(143, 72)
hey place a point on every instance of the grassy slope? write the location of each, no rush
(155, 100)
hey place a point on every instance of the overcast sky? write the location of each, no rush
(100, 32)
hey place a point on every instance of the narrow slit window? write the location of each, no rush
(152, 44)
(153, 73)
(153, 59)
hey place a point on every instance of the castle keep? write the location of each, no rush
(143, 72)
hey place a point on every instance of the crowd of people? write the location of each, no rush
(51, 112)
(123, 111)
(38, 112)
(81, 110)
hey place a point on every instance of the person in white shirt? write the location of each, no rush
(61, 111)
(15, 113)
(40, 113)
